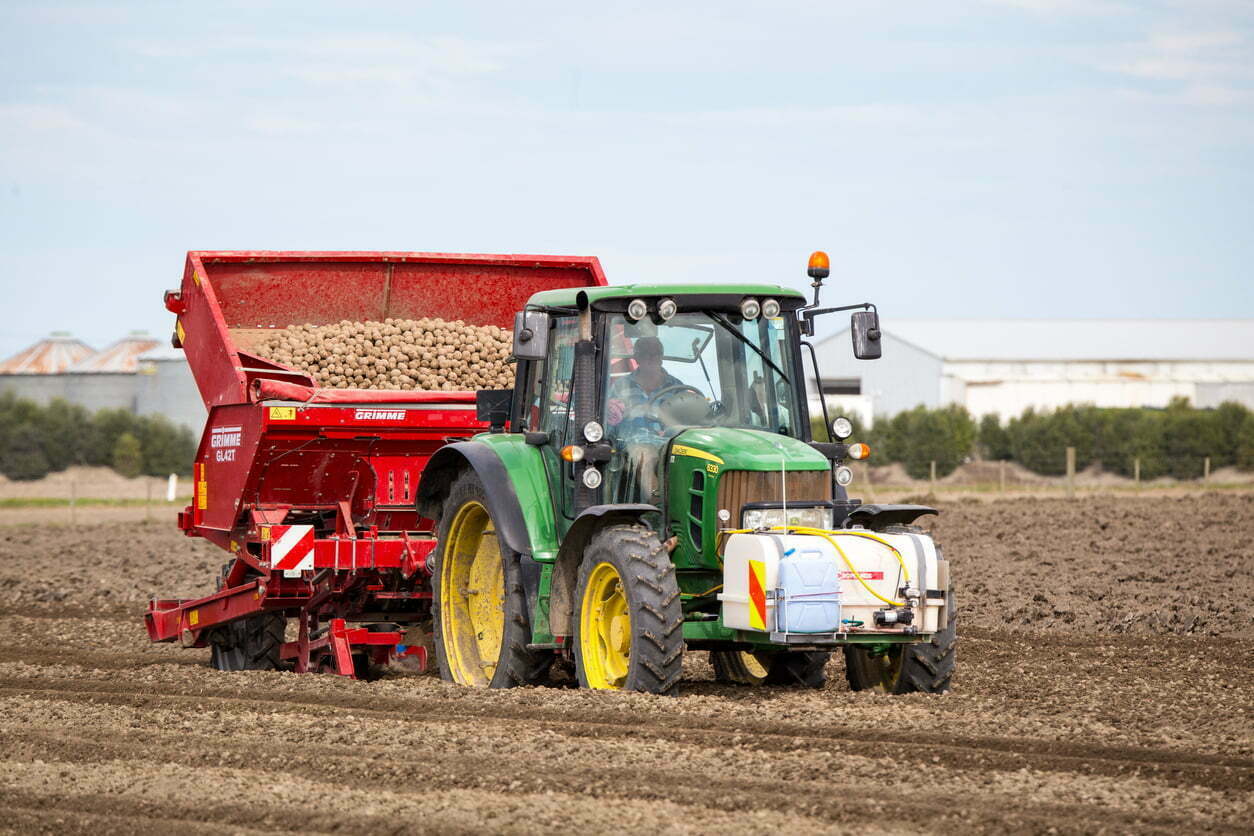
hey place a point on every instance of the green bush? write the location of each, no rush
(1039, 441)
(994, 439)
(1243, 443)
(128, 456)
(23, 457)
(1131, 434)
(36, 440)
(1171, 441)
(104, 430)
(167, 448)
(61, 428)
(920, 436)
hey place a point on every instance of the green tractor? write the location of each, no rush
(658, 489)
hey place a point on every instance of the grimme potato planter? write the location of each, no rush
(648, 485)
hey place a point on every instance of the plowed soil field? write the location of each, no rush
(1105, 684)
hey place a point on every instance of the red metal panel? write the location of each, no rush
(209, 349)
(368, 553)
(228, 457)
(167, 620)
(480, 294)
(356, 418)
(396, 479)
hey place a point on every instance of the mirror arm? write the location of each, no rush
(809, 314)
(818, 385)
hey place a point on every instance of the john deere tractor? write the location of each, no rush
(651, 485)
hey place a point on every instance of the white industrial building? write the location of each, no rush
(1004, 366)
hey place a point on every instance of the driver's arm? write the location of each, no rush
(618, 401)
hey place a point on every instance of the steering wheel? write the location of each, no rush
(657, 403)
(672, 390)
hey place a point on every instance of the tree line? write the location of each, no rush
(37, 440)
(1172, 441)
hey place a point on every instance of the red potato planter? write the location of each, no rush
(309, 490)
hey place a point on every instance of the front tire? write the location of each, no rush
(629, 625)
(925, 668)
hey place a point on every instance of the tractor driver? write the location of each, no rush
(627, 409)
(631, 392)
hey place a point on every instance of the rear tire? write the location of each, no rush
(629, 622)
(925, 668)
(742, 667)
(249, 644)
(480, 623)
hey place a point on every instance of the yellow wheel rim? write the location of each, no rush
(605, 629)
(756, 668)
(472, 597)
(884, 669)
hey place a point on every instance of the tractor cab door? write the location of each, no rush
(548, 408)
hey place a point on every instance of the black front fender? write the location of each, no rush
(451, 461)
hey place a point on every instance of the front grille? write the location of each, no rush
(736, 487)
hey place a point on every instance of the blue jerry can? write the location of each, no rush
(807, 599)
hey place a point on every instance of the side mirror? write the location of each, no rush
(493, 406)
(865, 328)
(531, 335)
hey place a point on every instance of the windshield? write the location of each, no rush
(695, 370)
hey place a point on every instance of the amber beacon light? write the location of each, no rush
(820, 266)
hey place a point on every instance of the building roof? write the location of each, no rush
(163, 353)
(53, 354)
(1075, 339)
(122, 356)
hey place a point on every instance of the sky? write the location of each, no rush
(964, 158)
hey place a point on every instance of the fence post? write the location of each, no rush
(933, 475)
(73, 499)
(1206, 471)
(1070, 472)
(1001, 474)
(1136, 473)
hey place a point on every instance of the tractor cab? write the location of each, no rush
(667, 364)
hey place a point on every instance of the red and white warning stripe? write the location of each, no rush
(292, 548)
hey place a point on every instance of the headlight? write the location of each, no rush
(667, 308)
(842, 428)
(750, 309)
(592, 478)
(812, 516)
(637, 309)
(593, 432)
(770, 308)
(843, 476)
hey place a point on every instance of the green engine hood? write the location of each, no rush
(736, 449)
